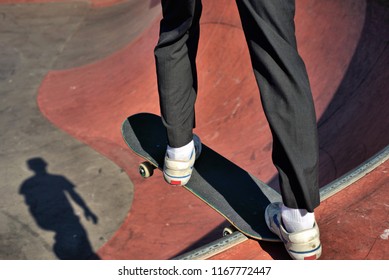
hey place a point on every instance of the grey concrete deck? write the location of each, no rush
(34, 39)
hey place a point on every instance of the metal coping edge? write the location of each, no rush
(229, 241)
(355, 174)
(214, 248)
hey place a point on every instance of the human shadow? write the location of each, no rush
(48, 198)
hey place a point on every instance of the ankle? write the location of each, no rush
(296, 219)
(181, 153)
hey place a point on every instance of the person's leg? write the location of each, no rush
(175, 56)
(287, 101)
(286, 97)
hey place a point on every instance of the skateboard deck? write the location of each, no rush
(228, 189)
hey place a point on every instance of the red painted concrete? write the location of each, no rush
(353, 224)
(343, 44)
(94, 3)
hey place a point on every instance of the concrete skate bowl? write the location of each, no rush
(345, 47)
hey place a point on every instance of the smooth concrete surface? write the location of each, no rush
(42, 208)
(353, 225)
(345, 50)
(344, 45)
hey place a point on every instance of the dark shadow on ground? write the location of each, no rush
(48, 199)
(355, 125)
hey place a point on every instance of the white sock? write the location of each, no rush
(182, 153)
(296, 219)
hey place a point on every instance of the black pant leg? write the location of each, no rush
(175, 56)
(286, 97)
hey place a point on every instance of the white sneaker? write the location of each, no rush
(301, 245)
(178, 172)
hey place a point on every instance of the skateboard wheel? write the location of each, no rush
(146, 169)
(228, 230)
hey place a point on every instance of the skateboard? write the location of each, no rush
(228, 189)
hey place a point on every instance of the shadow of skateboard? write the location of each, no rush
(228, 189)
